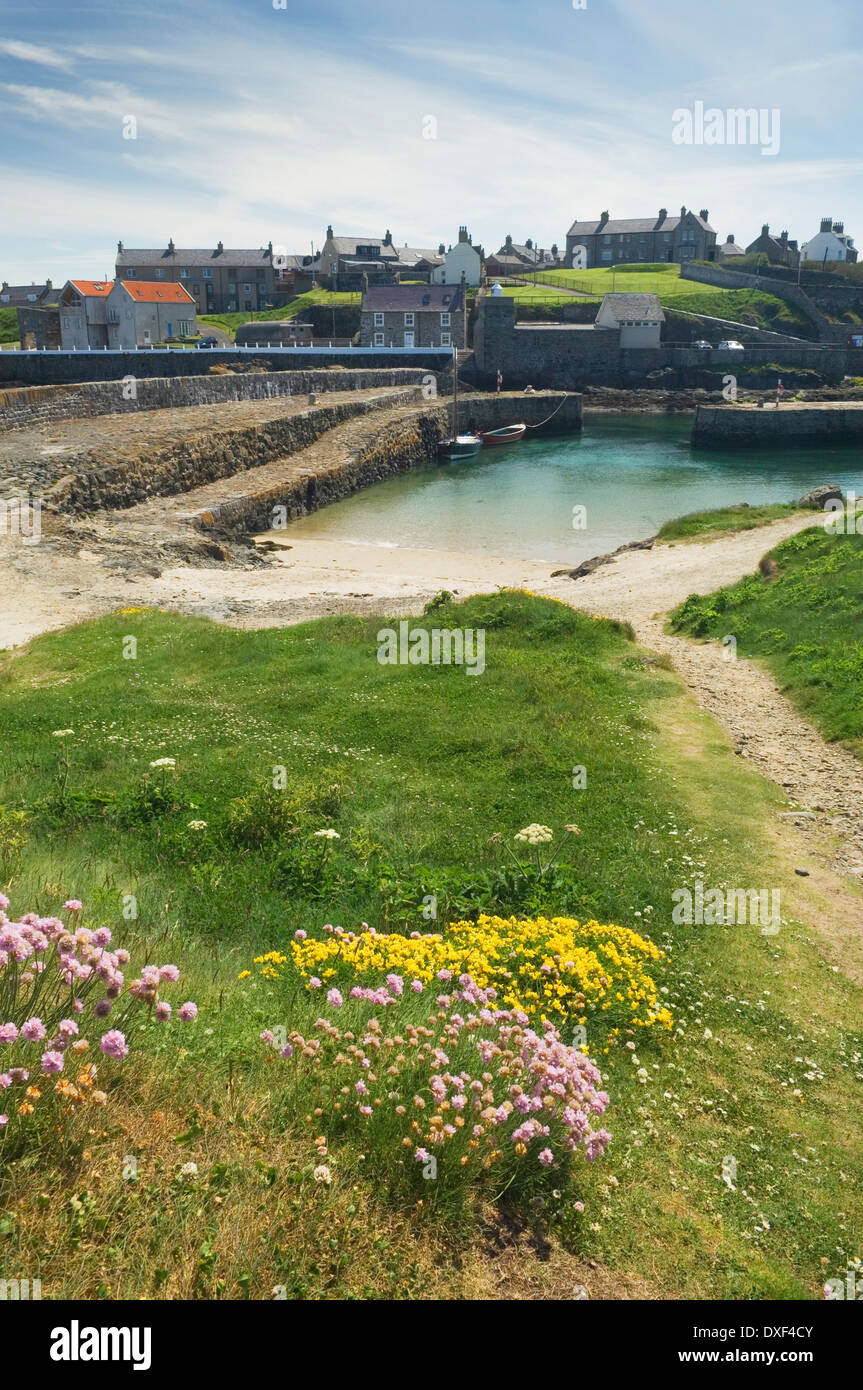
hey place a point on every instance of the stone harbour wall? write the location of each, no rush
(729, 427)
(34, 405)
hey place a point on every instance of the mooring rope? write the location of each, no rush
(540, 423)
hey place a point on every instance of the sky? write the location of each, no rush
(267, 120)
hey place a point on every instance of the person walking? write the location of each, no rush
(779, 389)
(499, 382)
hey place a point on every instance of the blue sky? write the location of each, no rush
(257, 124)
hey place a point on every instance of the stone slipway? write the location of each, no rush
(170, 452)
(347, 458)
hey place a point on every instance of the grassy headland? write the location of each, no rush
(731, 1170)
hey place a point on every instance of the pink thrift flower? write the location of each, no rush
(334, 998)
(546, 1158)
(33, 1030)
(114, 1044)
(188, 1011)
(4, 902)
(287, 1051)
(102, 1008)
(8, 1032)
(169, 972)
(68, 1028)
(300, 935)
(4, 1119)
(72, 905)
(52, 1062)
(417, 986)
(314, 982)
(163, 1011)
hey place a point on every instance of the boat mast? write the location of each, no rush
(455, 391)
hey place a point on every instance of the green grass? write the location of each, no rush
(8, 325)
(743, 306)
(723, 520)
(805, 622)
(329, 299)
(418, 769)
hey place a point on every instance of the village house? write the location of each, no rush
(515, 258)
(26, 296)
(220, 281)
(422, 316)
(96, 314)
(462, 259)
(615, 241)
(729, 250)
(831, 243)
(349, 263)
(636, 318)
(778, 250)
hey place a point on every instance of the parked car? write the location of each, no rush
(208, 342)
(702, 345)
(730, 345)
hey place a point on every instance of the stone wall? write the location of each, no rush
(729, 427)
(48, 368)
(741, 280)
(37, 404)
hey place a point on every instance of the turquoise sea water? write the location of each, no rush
(629, 473)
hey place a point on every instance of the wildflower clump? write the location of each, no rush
(473, 1088)
(59, 983)
(557, 969)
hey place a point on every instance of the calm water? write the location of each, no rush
(631, 473)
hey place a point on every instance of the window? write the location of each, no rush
(130, 274)
(379, 340)
(113, 316)
(606, 255)
(607, 240)
(196, 289)
(232, 308)
(160, 274)
(444, 321)
(247, 289)
(409, 320)
(379, 320)
(184, 328)
(207, 273)
(184, 274)
(446, 340)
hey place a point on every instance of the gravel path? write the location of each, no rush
(823, 779)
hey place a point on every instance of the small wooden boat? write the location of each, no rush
(508, 434)
(458, 446)
(461, 446)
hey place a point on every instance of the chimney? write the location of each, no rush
(603, 218)
(441, 249)
(269, 248)
(508, 241)
(329, 233)
(683, 212)
(730, 238)
(826, 224)
(388, 239)
(839, 228)
(703, 215)
(171, 246)
(529, 243)
(663, 213)
(220, 248)
(119, 246)
(48, 285)
(462, 234)
(783, 237)
(765, 229)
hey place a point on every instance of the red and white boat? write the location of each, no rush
(508, 434)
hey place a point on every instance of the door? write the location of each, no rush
(409, 338)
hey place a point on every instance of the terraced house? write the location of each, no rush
(619, 241)
(220, 281)
(98, 314)
(406, 316)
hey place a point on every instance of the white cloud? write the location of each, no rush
(34, 53)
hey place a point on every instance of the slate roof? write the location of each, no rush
(439, 299)
(730, 248)
(626, 307)
(618, 225)
(12, 296)
(347, 246)
(192, 258)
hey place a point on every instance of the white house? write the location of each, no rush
(638, 318)
(143, 312)
(830, 244)
(83, 314)
(461, 259)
